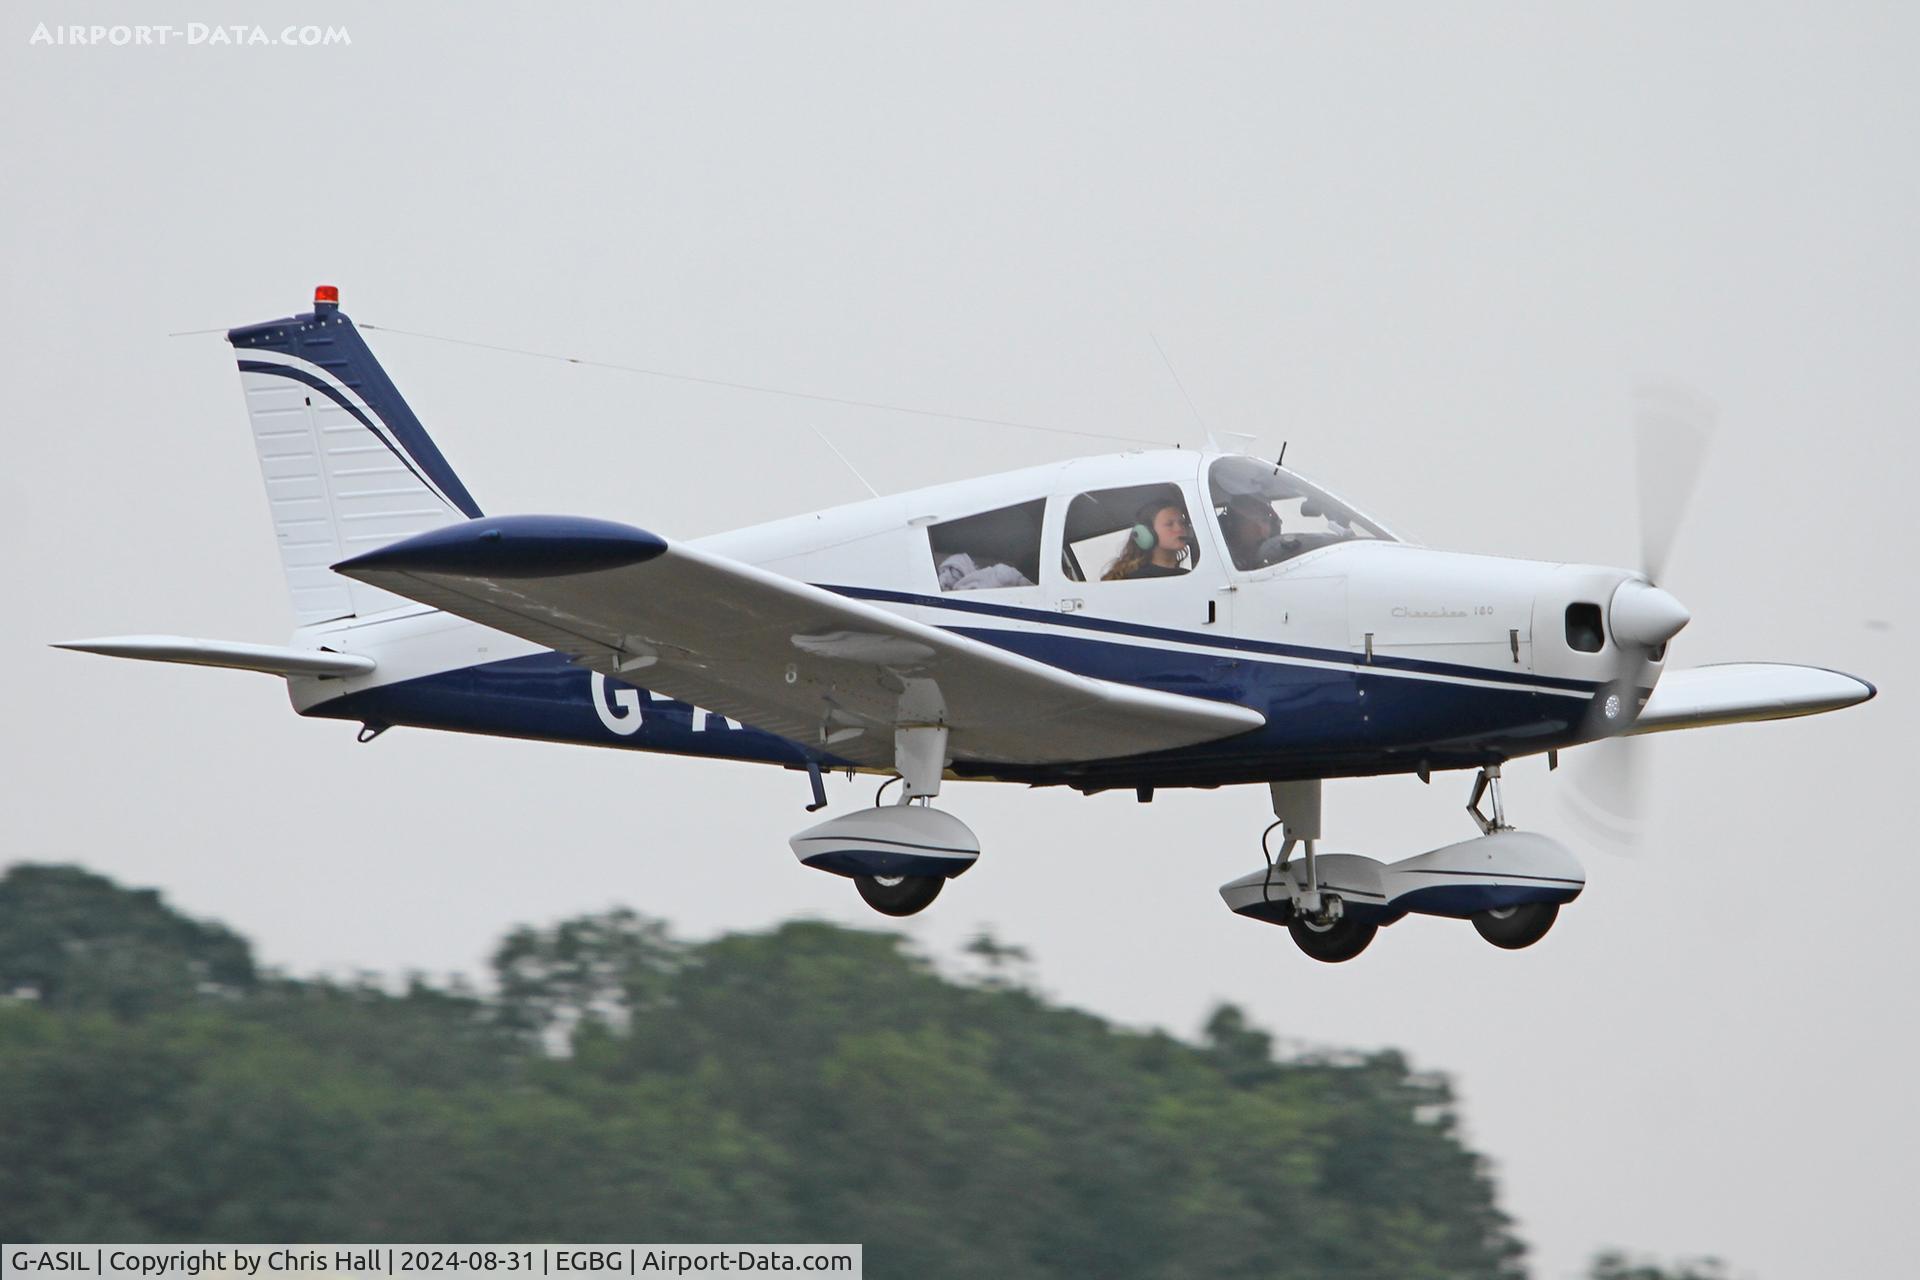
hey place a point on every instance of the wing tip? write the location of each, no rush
(1844, 701)
(512, 547)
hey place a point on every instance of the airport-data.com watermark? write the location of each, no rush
(192, 35)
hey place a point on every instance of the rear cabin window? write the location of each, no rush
(1142, 531)
(993, 549)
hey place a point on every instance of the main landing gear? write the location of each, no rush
(899, 895)
(1318, 920)
(1331, 939)
(899, 856)
(1510, 884)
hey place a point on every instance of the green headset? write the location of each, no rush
(1144, 538)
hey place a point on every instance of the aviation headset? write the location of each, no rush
(1144, 537)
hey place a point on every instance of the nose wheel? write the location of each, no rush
(1512, 928)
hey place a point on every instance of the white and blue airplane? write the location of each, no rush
(1153, 619)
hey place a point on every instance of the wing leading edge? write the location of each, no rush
(774, 652)
(1738, 692)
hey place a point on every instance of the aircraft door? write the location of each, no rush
(1312, 688)
(1136, 553)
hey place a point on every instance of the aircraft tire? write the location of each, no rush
(1517, 927)
(899, 895)
(1340, 941)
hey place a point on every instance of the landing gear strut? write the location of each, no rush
(1510, 884)
(1486, 785)
(899, 856)
(1318, 923)
(920, 754)
(1521, 925)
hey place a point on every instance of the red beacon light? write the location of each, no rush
(326, 298)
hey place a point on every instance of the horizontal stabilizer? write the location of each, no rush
(1738, 692)
(273, 659)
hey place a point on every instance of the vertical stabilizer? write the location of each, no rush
(348, 467)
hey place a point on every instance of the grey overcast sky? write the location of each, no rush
(1433, 247)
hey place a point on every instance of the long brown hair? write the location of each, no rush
(1133, 555)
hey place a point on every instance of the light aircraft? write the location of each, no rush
(1154, 619)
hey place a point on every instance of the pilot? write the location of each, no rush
(1252, 529)
(1159, 545)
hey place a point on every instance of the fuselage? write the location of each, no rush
(1366, 654)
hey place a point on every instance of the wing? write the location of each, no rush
(773, 652)
(1736, 692)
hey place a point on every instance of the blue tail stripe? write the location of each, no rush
(333, 343)
(308, 379)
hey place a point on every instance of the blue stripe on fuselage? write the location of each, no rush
(546, 696)
(1322, 721)
(1143, 632)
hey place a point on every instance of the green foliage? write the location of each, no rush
(78, 941)
(1614, 1265)
(812, 1083)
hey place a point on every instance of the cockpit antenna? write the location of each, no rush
(1207, 432)
(1280, 461)
(845, 461)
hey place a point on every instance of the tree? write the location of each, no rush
(1616, 1265)
(601, 967)
(75, 940)
(808, 1083)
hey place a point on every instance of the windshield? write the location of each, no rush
(1267, 514)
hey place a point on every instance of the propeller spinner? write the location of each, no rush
(1672, 430)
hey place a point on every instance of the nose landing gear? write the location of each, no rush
(1512, 928)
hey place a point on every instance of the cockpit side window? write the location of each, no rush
(1267, 514)
(1116, 535)
(998, 548)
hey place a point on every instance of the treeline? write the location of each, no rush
(814, 1083)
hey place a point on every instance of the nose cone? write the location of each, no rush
(1643, 614)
